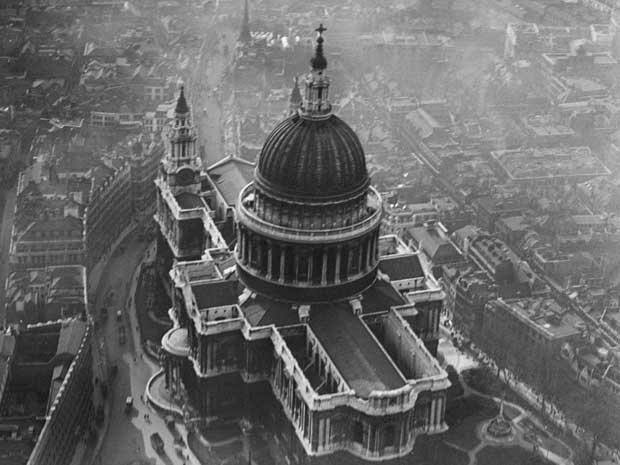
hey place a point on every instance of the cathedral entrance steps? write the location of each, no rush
(354, 351)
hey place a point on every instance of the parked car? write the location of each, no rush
(128, 404)
(122, 338)
(158, 443)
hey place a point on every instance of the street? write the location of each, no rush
(127, 435)
(207, 105)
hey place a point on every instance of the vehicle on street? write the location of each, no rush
(158, 443)
(122, 337)
(119, 315)
(128, 404)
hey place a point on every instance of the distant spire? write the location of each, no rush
(245, 35)
(182, 107)
(295, 100)
(318, 61)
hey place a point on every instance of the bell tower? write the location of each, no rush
(180, 167)
(180, 205)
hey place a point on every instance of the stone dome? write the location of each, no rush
(312, 158)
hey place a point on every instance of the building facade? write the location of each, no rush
(50, 364)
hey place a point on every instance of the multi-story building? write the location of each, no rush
(468, 289)
(48, 241)
(311, 340)
(433, 241)
(46, 388)
(143, 172)
(541, 324)
(108, 212)
(45, 294)
(489, 209)
(549, 166)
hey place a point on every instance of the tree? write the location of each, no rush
(545, 375)
(599, 414)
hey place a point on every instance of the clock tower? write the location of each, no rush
(181, 208)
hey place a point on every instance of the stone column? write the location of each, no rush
(431, 420)
(338, 258)
(324, 269)
(310, 265)
(259, 255)
(328, 427)
(250, 249)
(296, 267)
(351, 251)
(369, 260)
(360, 247)
(439, 410)
(240, 245)
(282, 263)
(269, 258)
(367, 427)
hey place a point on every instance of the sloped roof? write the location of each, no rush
(380, 297)
(261, 311)
(356, 354)
(64, 225)
(70, 338)
(231, 175)
(399, 267)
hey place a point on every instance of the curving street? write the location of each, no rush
(126, 439)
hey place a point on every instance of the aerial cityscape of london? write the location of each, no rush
(309, 232)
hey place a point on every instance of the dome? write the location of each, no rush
(312, 157)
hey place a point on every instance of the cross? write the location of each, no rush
(321, 29)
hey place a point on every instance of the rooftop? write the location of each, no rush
(549, 163)
(433, 243)
(215, 294)
(545, 315)
(544, 125)
(189, 201)
(55, 343)
(380, 297)
(262, 311)
(46, 292)
(399, 267)
(60, 228)
(230, 176)
(358, 356)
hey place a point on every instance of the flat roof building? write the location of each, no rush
(549, 165)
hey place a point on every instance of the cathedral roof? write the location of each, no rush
(312, 158)
(313, 153)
